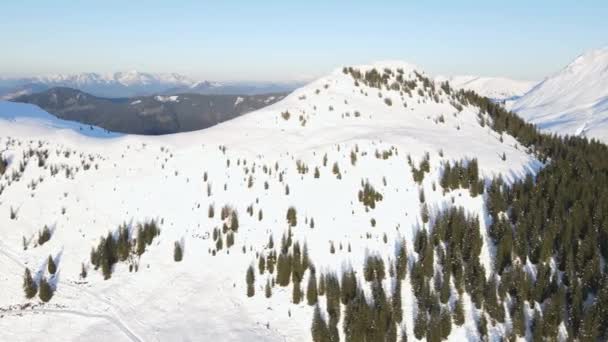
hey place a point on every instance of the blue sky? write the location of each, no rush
(288, 40)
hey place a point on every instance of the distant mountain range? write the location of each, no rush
(150, 115)
(134, 83)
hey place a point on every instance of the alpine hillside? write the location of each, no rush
(372, 204)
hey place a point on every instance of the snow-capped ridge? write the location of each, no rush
(571, 101)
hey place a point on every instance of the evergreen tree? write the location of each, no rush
(268, 289)
(250, 278)
(420, 323)
(178, 252)
(261, 264)
(319, 329)
(29, 285)
(292, 217)
(296, 294)
(52, 268)
(311, 289)
(44, 236)
(458, 312)
(46, 291)
(396, 302)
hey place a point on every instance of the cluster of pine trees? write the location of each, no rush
(463, 174)
(43, 288)
(120, 246)
(424, 167)
(368, 195)
(558, 222)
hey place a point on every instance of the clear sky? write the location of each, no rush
(294, 40)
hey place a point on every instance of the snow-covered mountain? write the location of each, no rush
(119, 84)
(574, 101)
(496, 88)
(387, 126)
(134, 83)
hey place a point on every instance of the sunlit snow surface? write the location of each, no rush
(204, 296)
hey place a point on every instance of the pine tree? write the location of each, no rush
(319, 330)
(83, 271)
(250, 278)
(446, 323)
(420, 323)
(332, 296)
(29, 285)
(296, 294)
(44, 236)
(261, 264)
(311, 289)
(396, 302)
(424, 213)
(178, 252)
(52, 268)
(458, 312)
(268, 289)
(292, 217)
(46, 291)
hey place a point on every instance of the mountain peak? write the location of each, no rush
(573, 101)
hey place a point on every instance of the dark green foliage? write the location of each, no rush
(369, 196)
(482, 327)
(261, 264)
(332, 295)
(250, 279)
(284, 269)
(396, 302)
(83, 271)
(420, 324)
(311, 289)
(463, 174)
(268, 289)
(145, 234)
(292, 217)
(319, 329)
(119, 247)
(296, 294)
(424, 213)
(424, 167)
(458, 312)
(44, 236)
(29, 285)
(373, 269)
(3, 165)
(178, 252)
(51, 266)
(46, 290)
(349, 286)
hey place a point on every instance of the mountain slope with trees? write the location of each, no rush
(372, 204)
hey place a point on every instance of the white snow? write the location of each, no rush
(161, 98)
(203, 297)
(32, 120)
(136, 102)
(238, 101)
(574, 101)
(497, 88)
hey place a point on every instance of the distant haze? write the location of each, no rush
(286, 41)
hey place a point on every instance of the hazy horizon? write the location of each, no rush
(285, 42)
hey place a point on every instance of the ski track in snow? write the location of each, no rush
(112, 319)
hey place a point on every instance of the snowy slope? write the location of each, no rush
(497, 88)
(33, 118)
(176, 178)
(574, 101)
